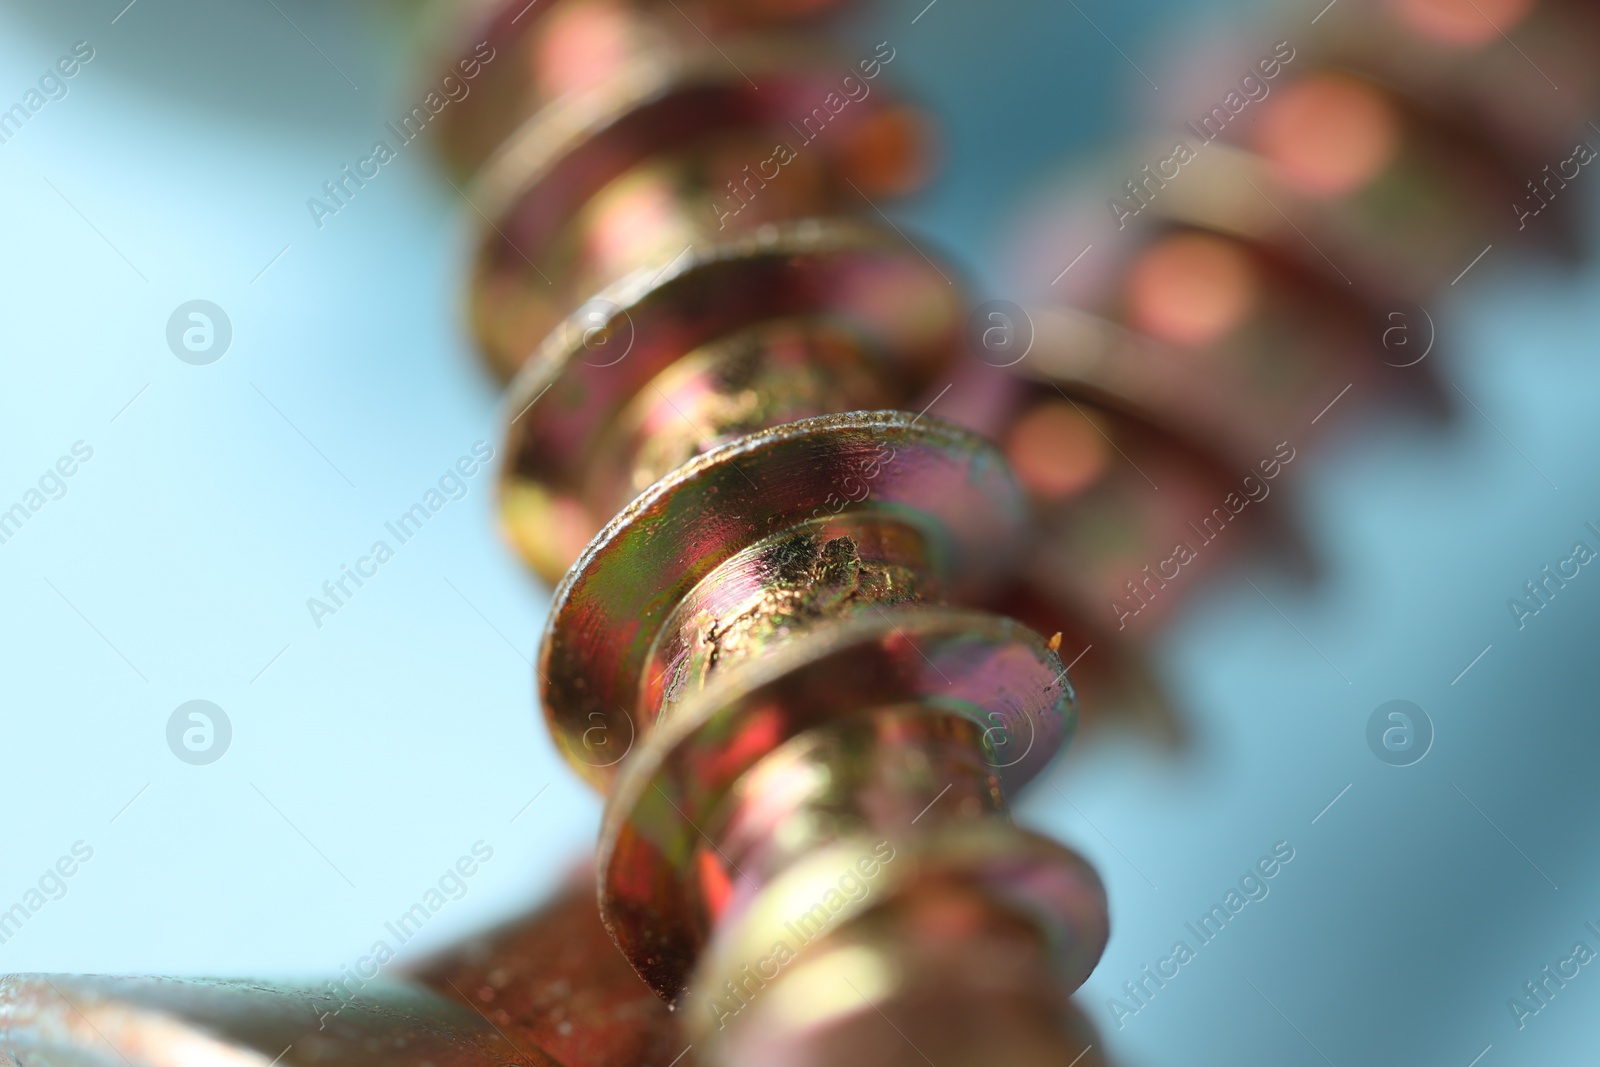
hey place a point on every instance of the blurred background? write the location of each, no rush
(362, 752)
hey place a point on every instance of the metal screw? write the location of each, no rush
(774, 611)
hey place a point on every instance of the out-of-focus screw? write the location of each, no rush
(773, 581)
(94, 1021)
(770, 620)
(553, 979)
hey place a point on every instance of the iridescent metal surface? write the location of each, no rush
(769, 601)
(928, 507)
(776, 608)
(703, 332)
(978, 699)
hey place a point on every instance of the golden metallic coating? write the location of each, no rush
(720, 559)
(552, 980)
(978, 699)
(795, 319)
(963, 938)
(771, 648)
(728, 615)
(558, 49)
(760, 656)
(1246, 278)
(672, 157)
(775, 648)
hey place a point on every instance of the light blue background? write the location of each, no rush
(374, 751)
